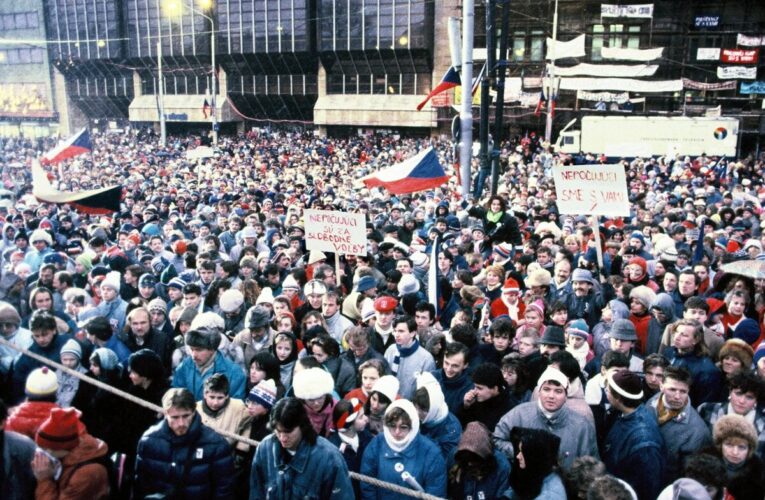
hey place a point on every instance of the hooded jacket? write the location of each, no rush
(440, 425)
(665, 304)
(601, 333)
(89, 481)
(453, 389)
(462, 485)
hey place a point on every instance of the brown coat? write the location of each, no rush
(87, 482)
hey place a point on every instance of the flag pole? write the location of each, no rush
(551, 87)
(466, 113)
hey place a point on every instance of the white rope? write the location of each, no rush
(151, 406)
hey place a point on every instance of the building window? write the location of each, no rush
(613, 36)
(519, 46)
(537, 52)
(597, 42)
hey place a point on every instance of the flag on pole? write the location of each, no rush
(206, 109)
(76, 145)
(450, 80)
(541, 103)
(418, 173)
(95, 201)
(433, 286)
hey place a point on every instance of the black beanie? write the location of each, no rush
(146, 363)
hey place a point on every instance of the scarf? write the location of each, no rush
(403, 352)
(580, 354)
(353, 441)
(400, 445)
(214, 413)
(493, 216)
(665, 414)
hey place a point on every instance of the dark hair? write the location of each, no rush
(490, 375)
(64, 277)
(464, 276)
(464, 333)
(503, 327)
(654, 360)
(100, 328)
(696, 302)
(42, 319)
(308, 362)
(327, 344)
(268, 363)
(615, 359)
(678, 373)
(192, 288)
(426, 306)
(290, 413)
(3, 411)
(567, 364)
(747, 382)
(453, 348)
(707, 469)
(218, 382)
(421, 399)
(396, 414)
(584, 470)
(207, 265)
(411, 325)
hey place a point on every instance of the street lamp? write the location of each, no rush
(214, 77)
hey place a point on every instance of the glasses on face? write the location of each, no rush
(400, 428)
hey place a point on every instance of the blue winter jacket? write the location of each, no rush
(162, 455)
(446, 434)
(707, 380)
(24, 365)
(493, 485)
(315, 472)
(421, 459)
(187, 376)
(634, 451)
(454, 389)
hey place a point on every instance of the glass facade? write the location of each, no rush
(84, 29)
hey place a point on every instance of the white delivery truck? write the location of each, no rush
(643, 136)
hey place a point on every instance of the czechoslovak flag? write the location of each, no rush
(450, 80)
(76, 145)
(418, 173)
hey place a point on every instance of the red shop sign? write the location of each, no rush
(740, 56)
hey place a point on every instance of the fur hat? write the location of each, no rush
(203, 338)
(257, 317)
(388, 386)
(41, 235)
(644, 295)
(41, 382)
(623, 329)
(112, 281)
(313, 383)
(538, 277)
(72, 347)
(290, 283)
(9, 314)
(60, 431)
(740, 350)
(208, 320)
(231, 300)
(735, 426)
(263, 394)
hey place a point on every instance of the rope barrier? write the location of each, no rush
(151, 406)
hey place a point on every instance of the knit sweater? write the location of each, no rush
(408, 366)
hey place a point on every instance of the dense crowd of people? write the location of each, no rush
(532, 368)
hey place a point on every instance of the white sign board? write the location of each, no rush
(592, 190)
(641, 10)
(742, 72)
(707, 54)
(338, 232)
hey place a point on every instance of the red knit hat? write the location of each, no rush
(639, 261)
(60, 430)
(511, 286)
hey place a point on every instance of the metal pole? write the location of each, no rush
(161, 83)
(214, 78)
(466, 113)
(491, 49)
(499, 106)
(551, 77)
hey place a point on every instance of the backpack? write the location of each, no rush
(113, 470)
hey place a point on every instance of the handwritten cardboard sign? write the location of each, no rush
(338, 232)
(592, 190)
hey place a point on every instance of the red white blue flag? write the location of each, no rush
(76, 145)
(450, 80)
(418, 173)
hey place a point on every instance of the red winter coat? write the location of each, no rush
(641, 328)
(28, 416)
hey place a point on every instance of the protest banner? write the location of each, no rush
(337, 232)
(640, 10)
(592, 190)
(708, 54)
(740, 56)
(728, 72)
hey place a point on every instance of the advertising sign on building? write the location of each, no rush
(706, 21)
(739, 72)
(640, 10)
(740, 56)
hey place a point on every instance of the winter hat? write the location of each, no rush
(208, 320)
(553, 375)
(503, 251)
(60, 431)
(367, 310)
(312, 383)
(579, 328)
(580, 274)
(290, 283)
(739, 349)
(231, 300)
(41, 235)
(400, 445)
(41, 382)
(538, 305)
(385, 303)
(638, 235)
(187, 315)
(471, 294)
(623, 329)
(105, 358)
(511, 285)
(553, 335)
(176, 283)
(147, 280)
(639, 261)
(314, 287)
(266, 296)
(408, 284)
(112, 280)
(350, 309)
(9, 314)
(538, 277)
(343, 421)
(203, 338)
(759, 353)
(157, 305)
(644, 295)
(146, 363)
(316, 256)
(388, 386)
(438, 408)
(753, 243)
(257, 317)
(748, 331)
(72, 347)
(368, 282)
(684, 488)
(627, 384)
(735, 426)
(263, 394)
(477, 439)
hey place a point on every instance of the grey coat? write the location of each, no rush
(684, 435)
(576, 433)
(18, 452)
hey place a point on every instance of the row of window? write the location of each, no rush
(404, 83)
(19, 21)
(530, 46)
(22, 56)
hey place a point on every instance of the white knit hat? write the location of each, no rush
(266, 296)
(367, 309)
(72, 347)
(315, 287)
(388, 386)
(408, 284)
(208, 320)
(41, 235)
(312, 383)
(231, 300)
(290, 283)
(112, 280)
(41, 382)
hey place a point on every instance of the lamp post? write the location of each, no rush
(214, 75)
